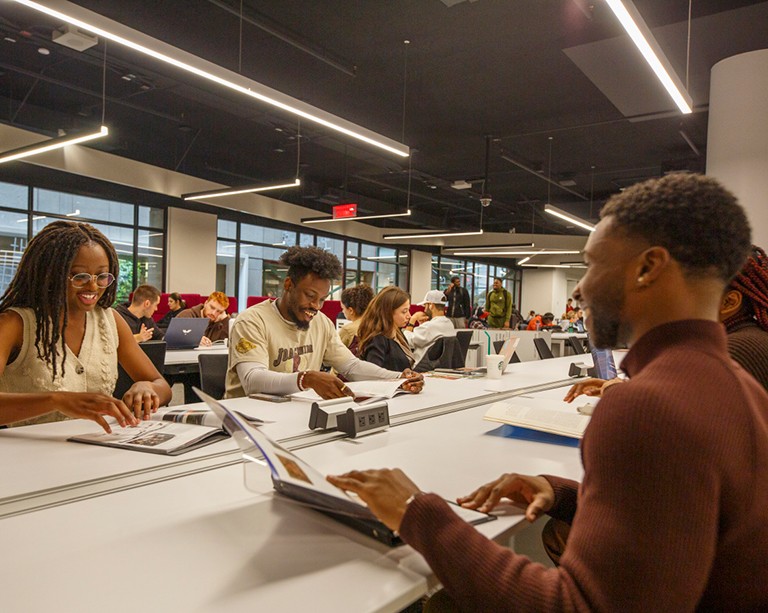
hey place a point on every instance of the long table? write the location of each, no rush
(109, 529)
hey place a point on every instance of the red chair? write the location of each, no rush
(331, 308)
(251, 300)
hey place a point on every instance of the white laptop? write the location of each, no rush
(185, 332)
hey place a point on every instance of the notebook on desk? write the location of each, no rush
(185, 332)
(295, 479)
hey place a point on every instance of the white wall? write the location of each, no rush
(421, 274)
(544, 289)
(737, 154)
(191, 255)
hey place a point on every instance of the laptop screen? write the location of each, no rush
(185, 332)
(605, 367)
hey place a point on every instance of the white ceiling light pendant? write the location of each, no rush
(470, 251)
(565, 216)
(311, 220)
(51, 145)
(101, 26)
(634, 24)
(252, 189)
(393, 237)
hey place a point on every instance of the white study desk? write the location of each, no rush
(180, 361)
(48, 470)
(558, 342)
(204, 543)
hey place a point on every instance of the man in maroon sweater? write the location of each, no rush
(672, 514)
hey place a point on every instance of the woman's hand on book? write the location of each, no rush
(534, 493)
(85, 405)
(414, 381)
(142, 399)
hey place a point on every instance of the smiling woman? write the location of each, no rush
(60, 343)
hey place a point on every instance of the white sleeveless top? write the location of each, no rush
(94, 370)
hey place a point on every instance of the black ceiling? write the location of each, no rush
(510, 75)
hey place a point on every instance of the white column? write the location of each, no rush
(191, 254)
(421, 274)
(737, 142)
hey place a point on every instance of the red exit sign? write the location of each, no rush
(345, 210)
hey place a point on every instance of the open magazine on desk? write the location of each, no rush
(170, 431)
(295, 479)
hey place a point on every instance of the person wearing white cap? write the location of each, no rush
(432, 324)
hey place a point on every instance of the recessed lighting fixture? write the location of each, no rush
(561, 214)
(233, 191)
(50, 145)
(87, 20)
(391, 237)
(311, 220)
(634, 24)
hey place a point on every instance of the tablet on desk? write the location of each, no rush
(298, 481)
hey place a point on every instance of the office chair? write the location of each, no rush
(497, 345)
(213, 373)
(155, 350)
(576, 345)
(465, 338)
(542, 348)
(445, 352)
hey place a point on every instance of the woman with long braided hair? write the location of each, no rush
(60, 343)
(744, 312)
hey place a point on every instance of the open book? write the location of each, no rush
(362, 390)
(296, 480)
(539, 414)
(170, 431)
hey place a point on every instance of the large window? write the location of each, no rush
(477, 277)
(248, 259)
(136, 231)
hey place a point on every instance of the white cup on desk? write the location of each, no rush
(494, 364)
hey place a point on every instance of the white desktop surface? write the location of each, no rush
(189, 356)
(43, 460)
(204, 543)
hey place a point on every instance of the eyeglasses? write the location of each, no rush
(81, 279)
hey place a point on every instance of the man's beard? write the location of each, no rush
(605, 325)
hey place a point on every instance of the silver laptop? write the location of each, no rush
(185, 332)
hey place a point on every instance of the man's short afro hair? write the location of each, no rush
(694, 217)
(303, 260)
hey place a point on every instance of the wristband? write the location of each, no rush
(300, 380)
(412, 497)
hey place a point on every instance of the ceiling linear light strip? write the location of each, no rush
(641, 35)
(501, 246)
(524, 260)
(564, 215)
(531, 253)
(128, 37)
(553, 266)
(234, 191)
(391, 237)
(310, 220)
(51, 145)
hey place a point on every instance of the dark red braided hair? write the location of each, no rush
(752, 282)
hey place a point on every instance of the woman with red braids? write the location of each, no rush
(744, 313)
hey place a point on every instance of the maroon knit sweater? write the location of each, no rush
(673, 510)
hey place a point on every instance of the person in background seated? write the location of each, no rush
(535, 322)
(531, 315)
(382, 341)
(215, 309)
(279, 346)
(138, 314)
(176, 305)
(499, 305)
(569, 305)
(60, 343)
(744, 313)
(673, 505)
(432, 324)
(354, 301)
